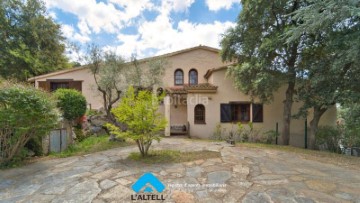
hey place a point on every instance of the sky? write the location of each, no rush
(143, 27)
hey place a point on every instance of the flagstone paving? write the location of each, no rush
(240, 175)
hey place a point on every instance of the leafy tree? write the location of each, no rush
(264, 60)
(71, 102)
(31, 42)
(139, 112)
(25, 113)
(109, 71)
(148, 78)
(331, 56)
(113, 76)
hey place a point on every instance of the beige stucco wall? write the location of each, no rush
(198, 59)
(89, 90)
(273, 112)
(203, 60)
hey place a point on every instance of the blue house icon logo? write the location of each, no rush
(148, 181)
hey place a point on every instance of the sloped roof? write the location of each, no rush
(211, 71)
(57, 73)
(139, 61)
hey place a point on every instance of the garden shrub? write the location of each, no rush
(80, 135)
(329, 136)
(139, 112)
(25, 113)
(217, 135)
(351, 114)
(270, 136)
(71, 102)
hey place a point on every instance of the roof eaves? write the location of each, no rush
(129, 63)
(212, 70)
(57, 73)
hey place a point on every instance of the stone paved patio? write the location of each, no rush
(241, 175)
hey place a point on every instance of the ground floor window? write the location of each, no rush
(240, 112)
(199, 114)
(54, 84)
(57, 85)
(257, 112)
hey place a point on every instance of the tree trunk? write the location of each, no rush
(314, 125)
(287, 113)
(138, 142)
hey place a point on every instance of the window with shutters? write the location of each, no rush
(57, 85)
(257, 111)
(65, 84)
(199, 114)
(235, 112)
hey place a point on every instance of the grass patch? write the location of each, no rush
(90, 145)
(172, 156)
(315, 155)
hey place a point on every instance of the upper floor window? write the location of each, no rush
(179, 77)
(193, 77)
(199, 114)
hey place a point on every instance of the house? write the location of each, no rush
(199, 96)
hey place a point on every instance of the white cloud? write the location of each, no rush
(69, 33)
(52, 15)
(163, 37)
(158, 36)
(133, 8)
(215, 5)
(83, 27)
(99, 16)
(67, 30)
(181, 5)
(129, 46)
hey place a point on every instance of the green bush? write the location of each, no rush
(25, 113)
(71, 102)
(80, 135)
(351, 114)
(330, 136)
(270, 136)
(217, 135)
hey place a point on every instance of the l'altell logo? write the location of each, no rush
(147, 183)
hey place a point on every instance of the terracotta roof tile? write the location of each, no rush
(186, 88)
(201, 86)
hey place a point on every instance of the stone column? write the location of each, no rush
(167, 103)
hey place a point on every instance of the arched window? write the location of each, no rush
(193, 77)
(179, 77)
(199, 114)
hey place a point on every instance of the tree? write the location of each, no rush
(25, 113)
(264, 60)
(113, 76)
(139, 112)
(31, 42)
(331, 56)
(109, 71)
